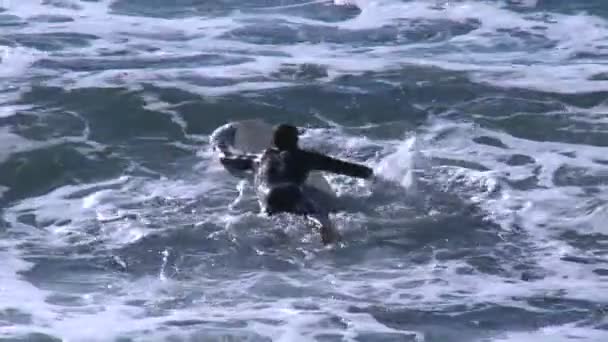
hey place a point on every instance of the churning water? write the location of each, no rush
(488, 121)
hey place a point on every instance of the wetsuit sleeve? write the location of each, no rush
(322, 162)
(241, 162)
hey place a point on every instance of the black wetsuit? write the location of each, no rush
(281, 174)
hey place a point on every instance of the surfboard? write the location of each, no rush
(252, 137)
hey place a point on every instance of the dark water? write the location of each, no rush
(487, 120)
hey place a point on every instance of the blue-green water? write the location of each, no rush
(488, 121)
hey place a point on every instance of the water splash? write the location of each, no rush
(162, 274)
(403, 165)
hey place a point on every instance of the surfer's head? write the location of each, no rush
(285, 137)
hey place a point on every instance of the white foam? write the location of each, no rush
(544, 212)
(563, 333)
(16, 61)
(6, 111)
(18, 294)
(547, 68)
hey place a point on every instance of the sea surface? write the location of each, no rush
(485, 121)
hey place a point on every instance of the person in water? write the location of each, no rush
(280, 173)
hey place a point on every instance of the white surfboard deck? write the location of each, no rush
(254, 136)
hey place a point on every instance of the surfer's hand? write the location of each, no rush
(369, 173)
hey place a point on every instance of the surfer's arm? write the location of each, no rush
(325, 163)
(240, 162)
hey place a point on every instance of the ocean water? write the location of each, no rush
(487, 122)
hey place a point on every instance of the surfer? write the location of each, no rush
(280, 173)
